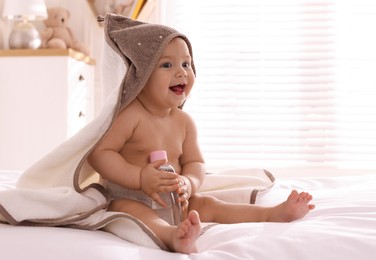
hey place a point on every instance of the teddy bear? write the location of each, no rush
(57, 34)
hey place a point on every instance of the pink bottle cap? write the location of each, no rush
(158, 155)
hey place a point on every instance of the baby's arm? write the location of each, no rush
(192, 162)
(106, 158)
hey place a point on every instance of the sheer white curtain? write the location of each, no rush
(283, 83)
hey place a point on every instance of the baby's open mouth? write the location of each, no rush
(178, 89)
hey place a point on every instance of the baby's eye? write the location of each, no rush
(166, 65)
(186, 64)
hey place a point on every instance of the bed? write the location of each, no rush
(62, 189)
(343, 226)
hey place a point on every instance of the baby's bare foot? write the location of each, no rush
(184, 239)
(295, 207)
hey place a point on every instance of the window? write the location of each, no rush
(283, 83)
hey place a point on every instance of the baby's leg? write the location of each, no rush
(180, 239)
(213, 210)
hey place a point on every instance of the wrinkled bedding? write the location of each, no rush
(343, 226)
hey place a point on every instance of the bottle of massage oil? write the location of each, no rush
(172, 213)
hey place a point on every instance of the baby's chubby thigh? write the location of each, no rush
(130, 206)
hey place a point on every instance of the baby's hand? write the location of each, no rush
(153, 181)
(184, 191)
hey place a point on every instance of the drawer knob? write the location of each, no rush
(81, 114)
(81, 78)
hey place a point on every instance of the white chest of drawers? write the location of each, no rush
(45, 97)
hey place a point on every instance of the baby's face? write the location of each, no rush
(172, 78)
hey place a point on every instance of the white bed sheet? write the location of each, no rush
(343, 226)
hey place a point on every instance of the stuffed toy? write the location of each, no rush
(57, 34)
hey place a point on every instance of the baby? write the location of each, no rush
(153, 121)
